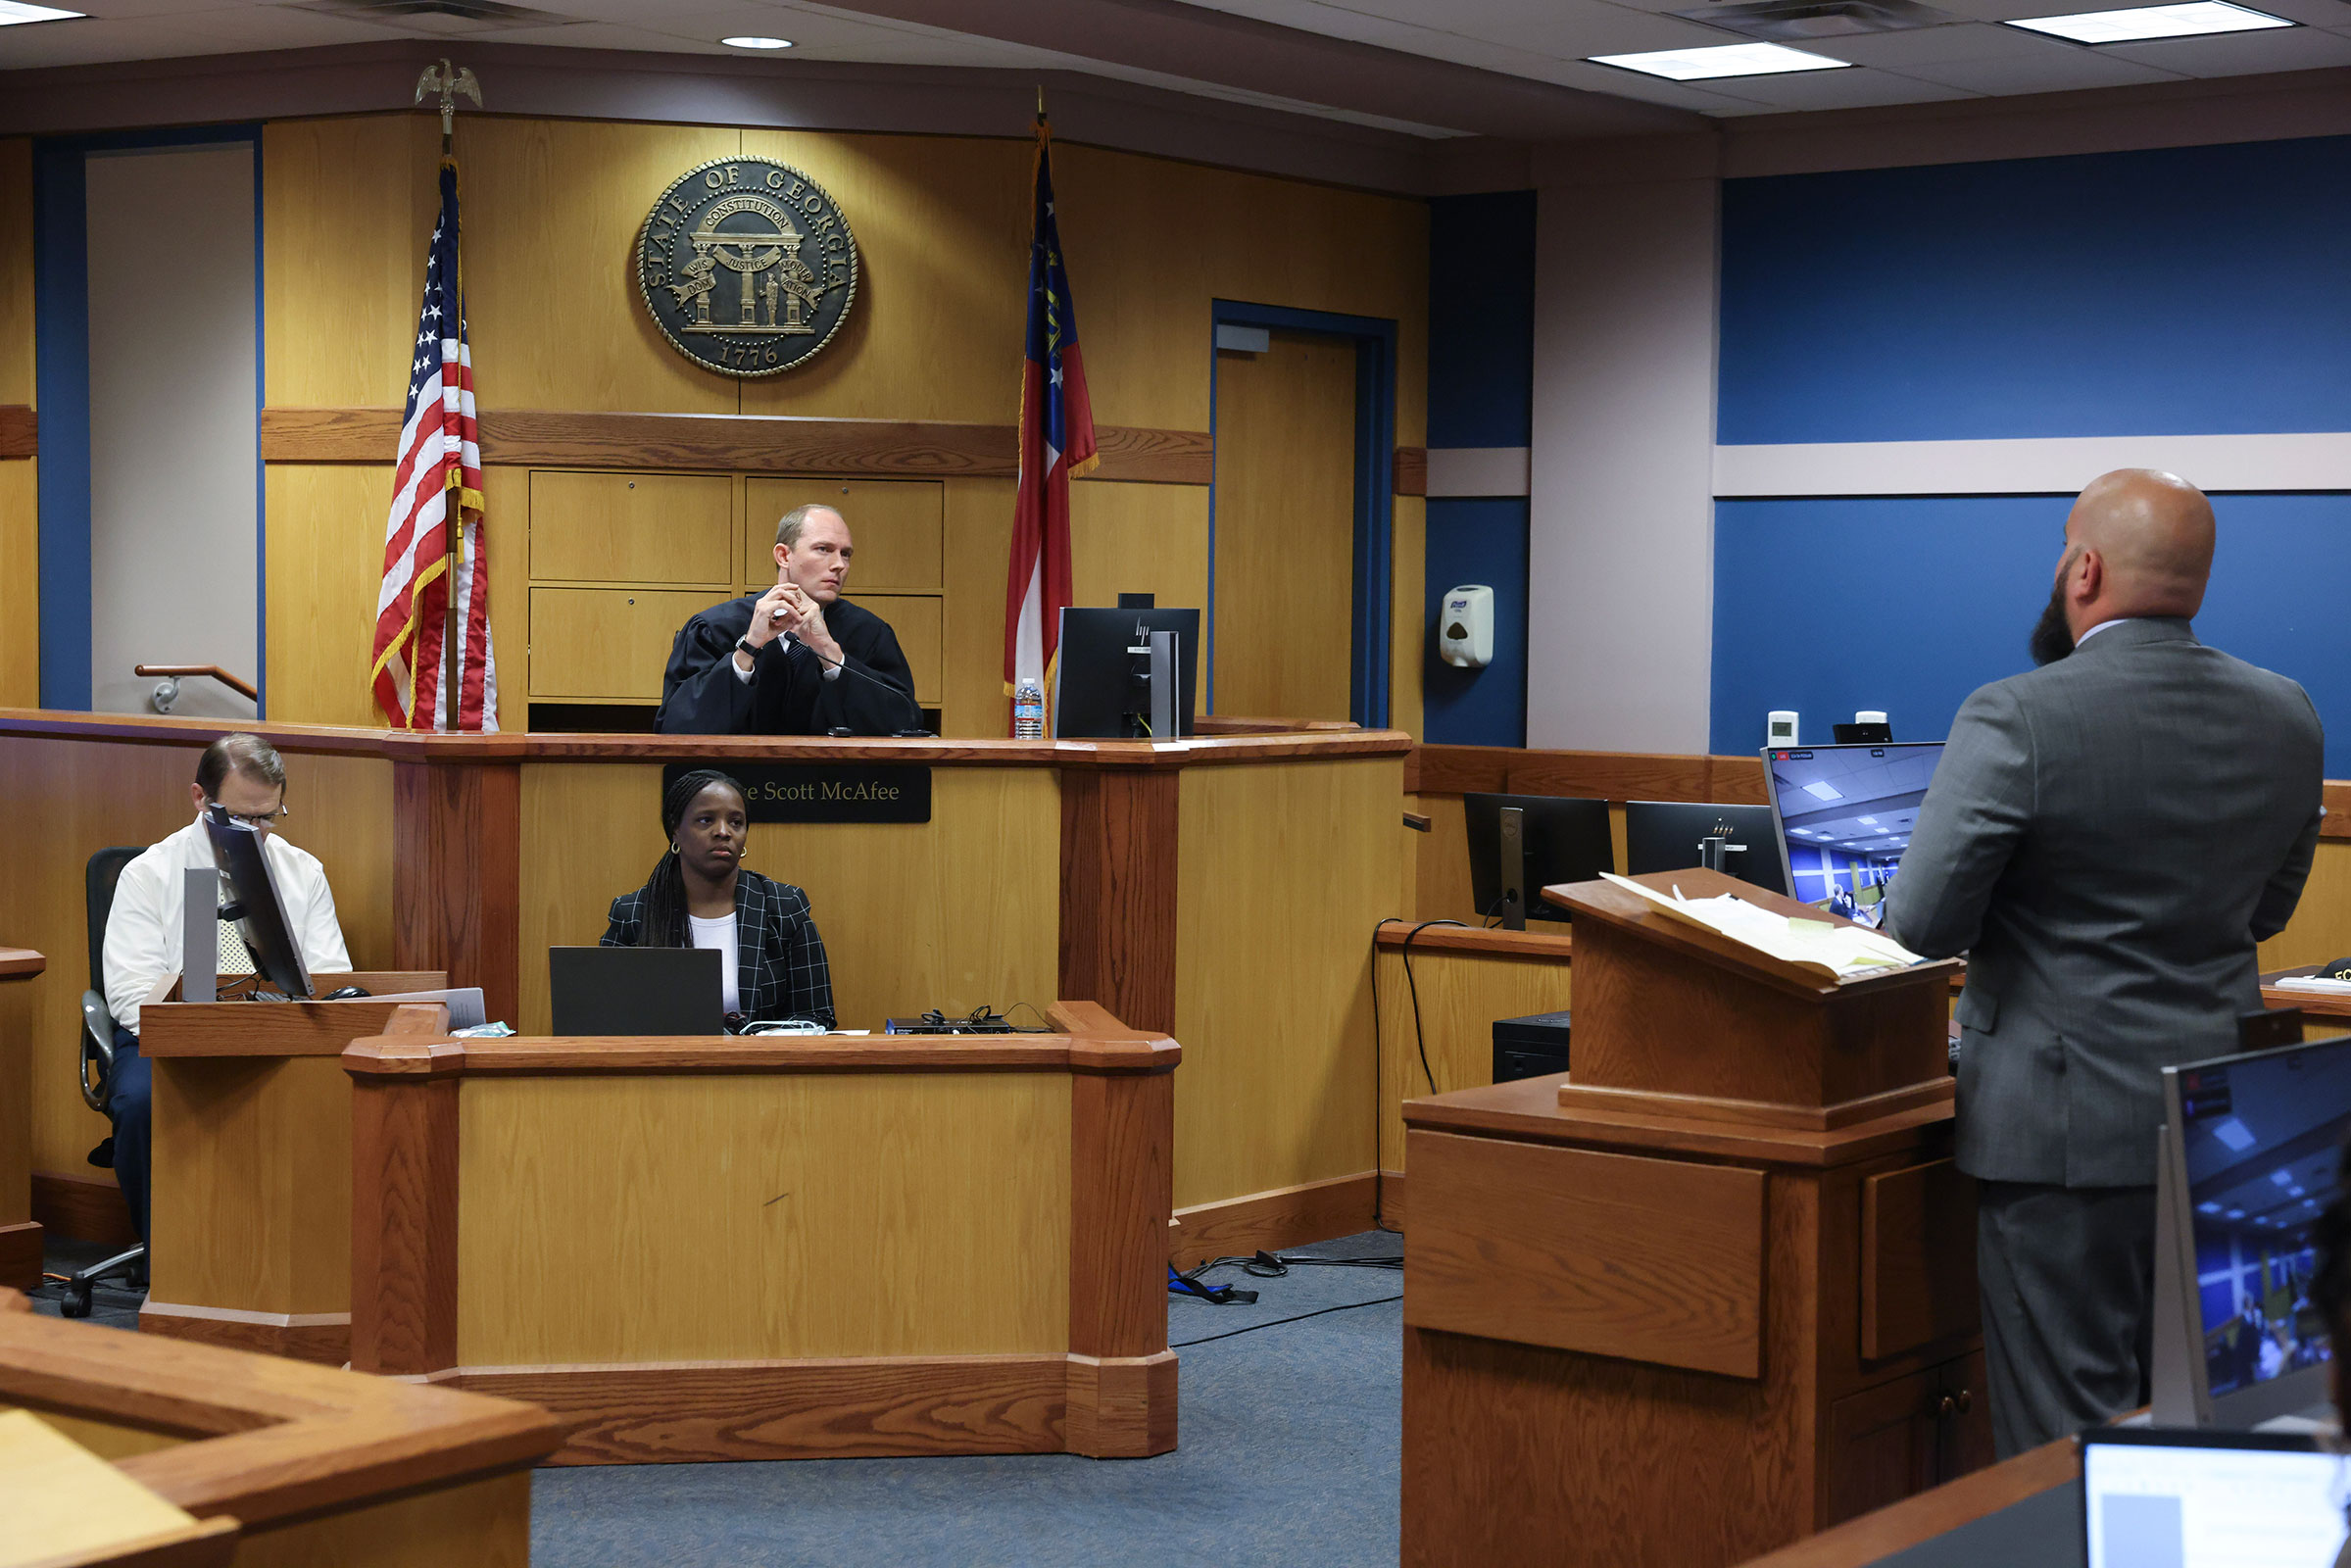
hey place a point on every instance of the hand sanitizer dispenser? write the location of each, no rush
(1465, 626)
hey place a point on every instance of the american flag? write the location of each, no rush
(1057, 444)
(439, 469)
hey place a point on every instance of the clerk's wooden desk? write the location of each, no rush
(1216, 889)
(1711, 1292)
(774, 1248)
(250, 1217)
(316, 1466)
(20, 1234)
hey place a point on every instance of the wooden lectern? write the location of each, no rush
(250, 1218)
(1711, 1291)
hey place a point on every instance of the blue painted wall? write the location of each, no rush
(2187, 291)
(1481, 394)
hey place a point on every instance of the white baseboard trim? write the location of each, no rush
(2059, 465)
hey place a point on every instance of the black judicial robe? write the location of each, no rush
(787, 693)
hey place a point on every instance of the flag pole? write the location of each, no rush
(448, 82)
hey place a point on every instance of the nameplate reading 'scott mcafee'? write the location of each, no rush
(825, 792)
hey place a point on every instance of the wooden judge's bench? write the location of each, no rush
(1710, 1292)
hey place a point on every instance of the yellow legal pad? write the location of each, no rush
(62, 1501)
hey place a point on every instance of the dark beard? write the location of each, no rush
(2052, 639)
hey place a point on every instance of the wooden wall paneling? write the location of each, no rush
(941, 227)
(343, 816)
(631, 527)
(1122, 1386)
(1609, 776)
(898, 525)
(252, 1207)
(919, 621)
(20, 1234)
(456, 880)
(1461, 995)
(1918, 1259)
(326, 540)
(20, 477)
(1285, 527)
(1737, 782)
(347, 207)
(1119, 837)
(979, 551)
(505, 543)
(860, 1214)
(1136, 538)
(1442, 885)
(607, 645)
(1282, 870)
(552, 210)
(484, 1525)
(405, 1132)
(1653, 1260)
(894, 901)
(1408, 615)
(2320, 929)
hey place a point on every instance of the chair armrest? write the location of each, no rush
(97, 1045)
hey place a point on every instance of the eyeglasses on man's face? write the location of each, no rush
(253, 819)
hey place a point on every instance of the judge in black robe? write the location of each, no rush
(789, 692)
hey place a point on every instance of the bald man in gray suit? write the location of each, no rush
(2105, 838)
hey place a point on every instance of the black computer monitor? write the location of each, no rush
(252, 892)
(1675, 835)
(1100, 685)
(2251, 1154)
(637, 991)
(1843, 815)
(1560, 840)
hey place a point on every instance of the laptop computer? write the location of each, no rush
(2193, 1497)
(637, 991)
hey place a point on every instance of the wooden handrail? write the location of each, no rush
(235, 683)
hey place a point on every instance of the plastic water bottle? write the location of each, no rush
(1028, 710)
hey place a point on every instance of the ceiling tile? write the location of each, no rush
(2066, 70)
(1858, 88)
(1712, 97)
(1966, 40)
(2241, 54)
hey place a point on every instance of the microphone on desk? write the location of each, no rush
(915, 733)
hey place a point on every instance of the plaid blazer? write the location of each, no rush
(779, 957)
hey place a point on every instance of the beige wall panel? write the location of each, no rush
(483, 1525)
(2320, 929)
(324, 533)
(919, 623)
(1407, 614)
(253, 1183)
(979, 554)
(632, 527)
(1282, 870)
(1285, 528)
(1150, 242)
(553, 208)
(19, 478)
(20, 583)
(942, 245)
(607, 645)
(896, 527)
(1442, 887)
(853, 1214)
(87, 795)
(960, 910)
(506, 541)
(1136, 538)
(105, 1440)
(1461, 995)
(347, 206)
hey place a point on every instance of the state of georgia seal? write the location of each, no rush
(747, 267)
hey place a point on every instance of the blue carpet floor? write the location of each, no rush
(1288, 1454)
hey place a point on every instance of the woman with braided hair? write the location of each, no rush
(700, 894)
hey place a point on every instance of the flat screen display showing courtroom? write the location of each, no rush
(1845, 815)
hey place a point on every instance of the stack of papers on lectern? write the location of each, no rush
(1842, 951)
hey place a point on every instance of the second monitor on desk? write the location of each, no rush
(1521, 844)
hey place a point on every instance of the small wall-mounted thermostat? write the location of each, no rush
(1465, 626)
(1779, 727)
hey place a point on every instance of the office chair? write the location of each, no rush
(98, 1052)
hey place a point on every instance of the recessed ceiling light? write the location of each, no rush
(756, 43)
(13, 13)
(2141, 22)
(1724, 59)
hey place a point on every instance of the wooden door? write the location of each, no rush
(1285, 562)
(1883, 1444)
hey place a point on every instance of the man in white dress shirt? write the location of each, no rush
(244, 775)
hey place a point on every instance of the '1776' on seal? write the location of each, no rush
(747, 266)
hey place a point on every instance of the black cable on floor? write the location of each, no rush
(1344, 1307)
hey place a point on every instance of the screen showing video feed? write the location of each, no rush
(2261, 1137)
(1845, 814)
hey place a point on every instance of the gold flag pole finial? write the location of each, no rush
(448, 82)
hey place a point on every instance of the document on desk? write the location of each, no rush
(465, 1006)
(1839, 951)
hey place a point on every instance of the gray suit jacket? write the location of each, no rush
(2106, 838)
